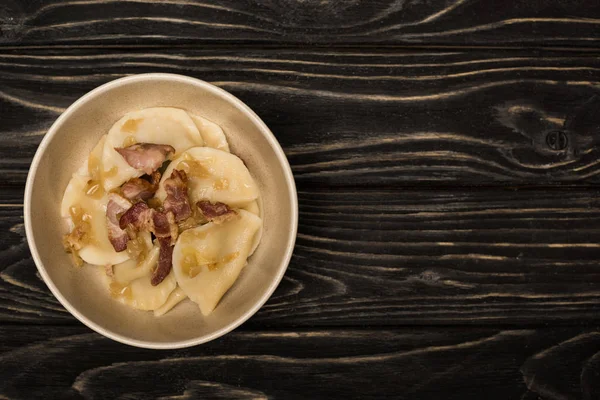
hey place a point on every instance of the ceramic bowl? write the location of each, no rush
(68, 143)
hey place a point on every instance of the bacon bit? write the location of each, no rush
(193, 221)
(108, 269)
(147, 157)
(116, 235)
(139, 216)
(165, 261)
(216, 212)
(140, 189)
(177, 200)
(164, 226)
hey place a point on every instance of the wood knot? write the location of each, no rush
(557, 140)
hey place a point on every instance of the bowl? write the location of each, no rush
(68, 143)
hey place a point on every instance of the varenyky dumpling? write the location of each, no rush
(85, 199)
(159, 125)
(255, 209)
(176, 297)
(130, 283)
(211, 133)
(207, 260)
(214, 175)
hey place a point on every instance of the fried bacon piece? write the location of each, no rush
(116, 235)
(147, 157)
(165, 261)
(139, 217)
(216, 212)
(177, 199)
(164, 226)
(140, 189)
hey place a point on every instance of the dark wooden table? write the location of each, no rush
(447, 160)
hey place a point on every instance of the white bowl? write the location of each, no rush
(68, 143)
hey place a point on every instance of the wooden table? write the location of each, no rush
(447, 162)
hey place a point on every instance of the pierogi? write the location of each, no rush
(165, 209)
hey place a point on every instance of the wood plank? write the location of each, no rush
(450, 23)
(402, 363)
(389, 258)
(348, 118)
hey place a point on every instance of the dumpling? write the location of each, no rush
(130, 283)
(176, 297)
(255, 209)
(85, 198)
(159, 125)
(211, 133)
(207, 260)
(213, 175)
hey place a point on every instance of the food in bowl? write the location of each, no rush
(164, 208)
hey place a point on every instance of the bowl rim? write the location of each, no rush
(241, 106)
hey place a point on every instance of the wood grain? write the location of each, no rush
(354, 118)
(389, 22)
(366, 364)
(446, 155)
(389, 258)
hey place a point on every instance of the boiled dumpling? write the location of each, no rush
(214, 175)
(159, 125)
(255, 209)
(211, 133)
(176, 297)
(207, 260)
(131, 285)
(84, 197)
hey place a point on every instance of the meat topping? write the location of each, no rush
(216, 212)
(116, 235)
(165, 261)
(147, 157)
(139, 217)
(140, 189)
(177, 199)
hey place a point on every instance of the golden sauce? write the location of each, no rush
(137, 248)
(81, 220)
(221, 184)
(76, 213)
(79, 236)
(154, 203)
(129, 140)
(131, 125)
(227, 259)
(95, 187)
(193, 262)
(95, 167)
(110, 173)
(194, 168)
(119, 290)
(189, 264)
(191, 222)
